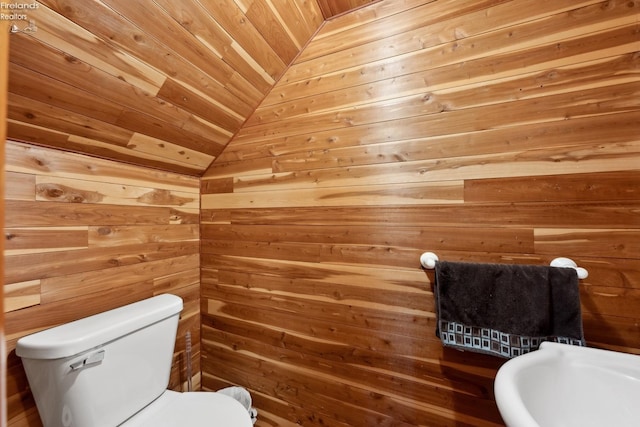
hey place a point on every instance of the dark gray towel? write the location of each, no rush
(506, 309)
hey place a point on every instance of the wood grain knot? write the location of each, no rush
(62, 193)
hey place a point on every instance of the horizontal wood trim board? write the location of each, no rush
(417, 194)
(491, 239)
(596, 214)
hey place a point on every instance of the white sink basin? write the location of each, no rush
(566, 386)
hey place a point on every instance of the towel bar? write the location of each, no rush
(428, 260)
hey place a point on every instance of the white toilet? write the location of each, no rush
(112, 369)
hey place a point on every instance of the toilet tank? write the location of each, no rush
(101, 370)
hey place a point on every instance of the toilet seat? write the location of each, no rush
(194, 409)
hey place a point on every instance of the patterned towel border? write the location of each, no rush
(494, 342)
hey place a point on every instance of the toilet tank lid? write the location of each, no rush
(90, 332)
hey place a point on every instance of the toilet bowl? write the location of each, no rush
(112, 369)
(193, 409)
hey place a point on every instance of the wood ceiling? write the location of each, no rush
(332, 8)
(158, 83)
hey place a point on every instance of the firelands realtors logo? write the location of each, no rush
(18, 14)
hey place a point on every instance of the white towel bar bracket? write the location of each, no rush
(569, 263)
(428, 260)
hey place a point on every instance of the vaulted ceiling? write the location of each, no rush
(159, 83)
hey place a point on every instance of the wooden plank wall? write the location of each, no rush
(85, 235)
(484, 130)
(4, 48)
